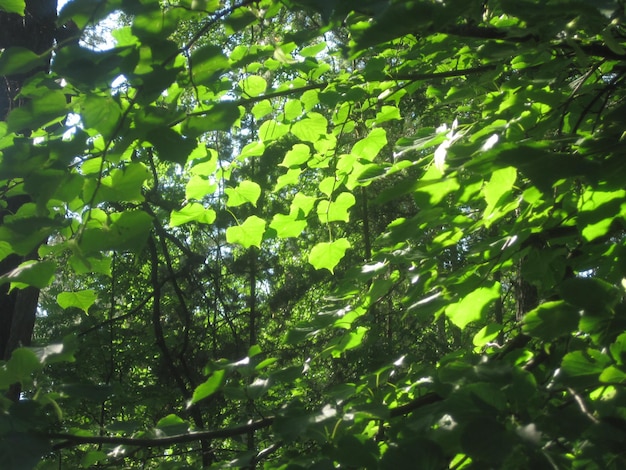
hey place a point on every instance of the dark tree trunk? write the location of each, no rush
(526, 294)
(34, 31)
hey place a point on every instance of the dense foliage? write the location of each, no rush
(318, 234)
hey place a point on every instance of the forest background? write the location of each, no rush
(312, 234)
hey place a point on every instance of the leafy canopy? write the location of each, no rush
(321, 234)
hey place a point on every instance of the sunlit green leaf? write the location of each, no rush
(327, 255)
(272, 130)
(246, 191)
(209, 387)
(192, 212)
(287, 225)
(499, 185)
(371, 145)
(253, 149)
(473, 306)
(249, 233)
(31, 273)
(291, 177)
(347, 340)
(298, 155)
(312, 50)
(310, 128)
(198, 187)
(336, 210)
(82, 299)
(253, 85)
(13, 6)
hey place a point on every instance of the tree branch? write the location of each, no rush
(595, 49)
(415, 77)
(424, 400)
(71, 440)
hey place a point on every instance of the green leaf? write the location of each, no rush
(593, 296)
(293, 109)
(170, 145)
(207, 62)
(123, 231)
(598, 210)
(387, 113)
(487, 334)
(613, 375)
(38, 111)
(247, 191)
(12, 6)
(326, 255)
(583, 368)
(238, 20)
(347, 340)
(370, 146)
(262, 109)
(498, 187)
(272, 130)
(302, 202)
(249, 233)
(312, 50)
(311, 127)
(5, 249)
(337, 210)
(287, 225)
(198, 187)
(57, 352)
(82, 299)
(93, 70)
(92, 457)
(258, 388)
(102, 113)
(218, 117)
(253, 149)
(16, 60)
(172, 424)
(290, 178)
(551, 320)
(152, 24)
(298, 155)
(120, 186)
(192, 212)
(209, 387)
(473, 306)
(22, 365)
(253, 86)
(38, 274)
(170, 420)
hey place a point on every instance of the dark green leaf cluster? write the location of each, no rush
(319, 234)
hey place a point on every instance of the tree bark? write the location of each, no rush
(34, 31)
